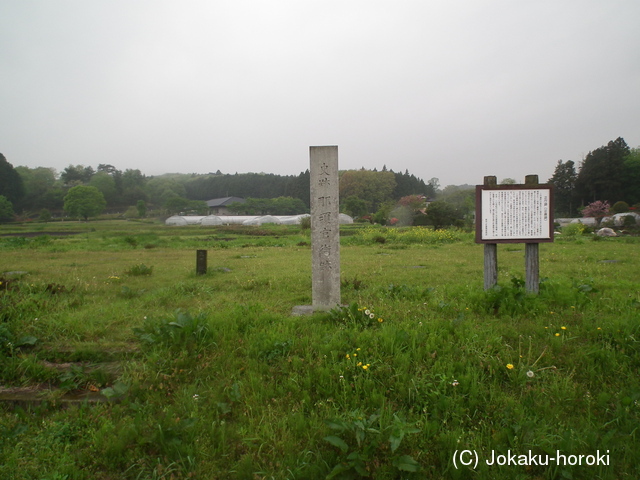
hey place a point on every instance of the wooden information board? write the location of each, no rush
(514, 214)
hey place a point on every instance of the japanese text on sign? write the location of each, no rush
(515, 214)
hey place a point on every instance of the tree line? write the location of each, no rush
(608, 174)
(32, 192)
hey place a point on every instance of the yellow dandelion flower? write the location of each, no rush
(510, 366)
(380, 320)
(364, 367)
(347, 356)
(357, 349)
(359, 364)
(563, 328)
(557, 334)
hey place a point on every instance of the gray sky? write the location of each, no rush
(444, 88)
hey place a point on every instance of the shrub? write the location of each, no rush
(629, 221)
(574, 230)
(45, 215)
(407, 236)
(132, 212)
(619, 207)
(6, 209)
(420, 220)
(305, 223)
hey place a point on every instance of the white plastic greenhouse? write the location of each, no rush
(212, 220)
(262, 220)
(345, 219)
(175, 220)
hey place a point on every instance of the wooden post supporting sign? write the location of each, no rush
(531, 254)
(490, 251)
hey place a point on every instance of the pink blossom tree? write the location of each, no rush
(596, 209)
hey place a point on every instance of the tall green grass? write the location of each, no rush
(224, 383)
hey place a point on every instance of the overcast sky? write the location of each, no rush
(449, 89)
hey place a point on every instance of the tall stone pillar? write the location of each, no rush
(325, 230)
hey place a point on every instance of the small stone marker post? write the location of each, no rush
(201, 262)
(325, 229)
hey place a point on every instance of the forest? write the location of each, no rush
(609, 174)
(28, 193)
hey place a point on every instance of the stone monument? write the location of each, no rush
(325, 231)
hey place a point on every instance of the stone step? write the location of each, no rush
(87, 353)
(83, 360)
(112, 369)
(39, 394)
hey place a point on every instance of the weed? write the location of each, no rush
(10, 343)
(414, 235)
(353, 315)
(73, 379)
(354, 284)
(275, 350)
(131, 241)
(128, 293)
(139, 270)
(181, 331)
(405, 292)
(116, 392)
(192, 289)
(6, 283)
(255, 283)
(574, 230)
(360, 439)
(55, 288)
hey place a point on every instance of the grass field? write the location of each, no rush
(210, 377)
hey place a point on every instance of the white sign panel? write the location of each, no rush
(515, 214)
